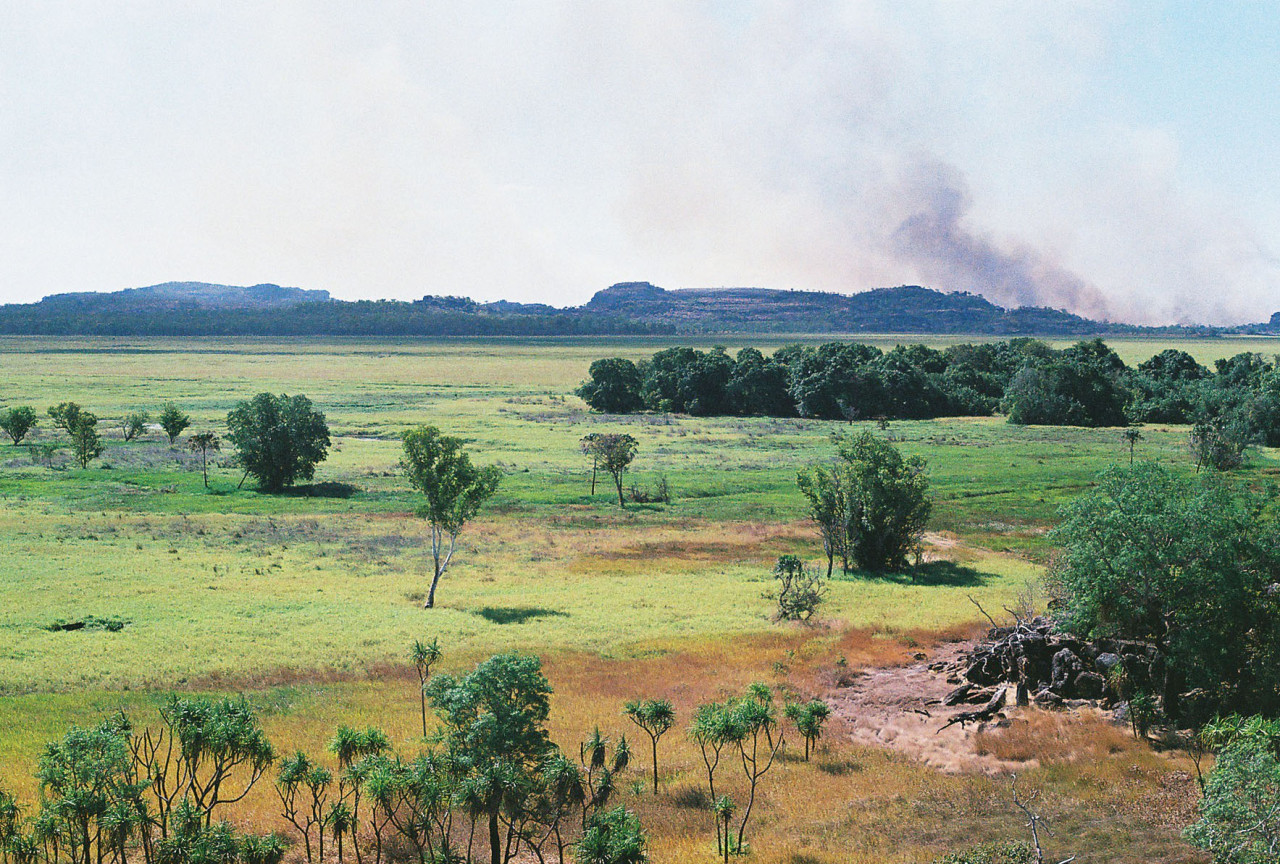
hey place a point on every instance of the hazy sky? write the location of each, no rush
(1118, 159)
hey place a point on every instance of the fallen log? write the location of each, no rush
(983, 715)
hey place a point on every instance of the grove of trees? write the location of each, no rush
(493, 780)
(1086, 384)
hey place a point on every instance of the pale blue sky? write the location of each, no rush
(1119, 159)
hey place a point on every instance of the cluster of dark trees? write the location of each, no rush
(1086, 384)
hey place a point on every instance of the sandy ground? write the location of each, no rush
(901, 708)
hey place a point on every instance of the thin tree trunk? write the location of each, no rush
(618, 479)
(440, 565)
(711, 785)
(655, 765)
(431, 594)
(595, 464)
(495, 839)
(422, 696)
(437, 569)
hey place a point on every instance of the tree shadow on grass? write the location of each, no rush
(327, 489)
(942, 574)
(516, 614)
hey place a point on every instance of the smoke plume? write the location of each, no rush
(952, 257)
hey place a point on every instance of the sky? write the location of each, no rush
(1120, 160)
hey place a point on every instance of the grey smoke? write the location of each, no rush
(953, 257)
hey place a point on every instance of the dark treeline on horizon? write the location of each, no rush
(373, 318)
(1086, 384)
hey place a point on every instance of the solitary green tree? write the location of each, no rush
(808, 718)
(872, 505)
(800, 591)
(173, 421)
(438, 467)
(614, 452)
(86, 443)
(655, 717)
(424, 655)
(204, 443)
(17, 422)
(134, 424)
(278, 439)
(1131, 437)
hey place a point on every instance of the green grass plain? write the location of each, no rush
(309, 600)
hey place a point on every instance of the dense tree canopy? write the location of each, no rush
(1189, 564)
(278, 439)
(16, 422)
(614, 386)
(871, 504)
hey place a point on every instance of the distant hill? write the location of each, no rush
(628, 308)
(171, 295)
(906, 309)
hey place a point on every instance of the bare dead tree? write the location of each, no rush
(994, 625)
(1035, 822)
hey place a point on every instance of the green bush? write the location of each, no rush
(1239, 823)
(1015, 852)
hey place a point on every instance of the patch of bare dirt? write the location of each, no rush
(901, 708)
(945, 546)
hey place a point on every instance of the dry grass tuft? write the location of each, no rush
(1052, 737)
